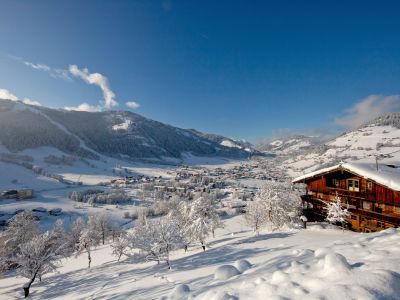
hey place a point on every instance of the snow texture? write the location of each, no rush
(225, 272)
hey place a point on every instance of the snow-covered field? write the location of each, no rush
(321, 262)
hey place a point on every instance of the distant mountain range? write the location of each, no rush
(119, 134)
(377, 139)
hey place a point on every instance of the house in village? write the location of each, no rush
(371, 193)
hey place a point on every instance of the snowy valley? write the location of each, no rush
(190, 225)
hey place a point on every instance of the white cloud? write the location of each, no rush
(367, 109)
(7, 95)
(84, 107)
(40, 67)
(96, 79)
(132, 104)
(31, 102)
(53, 72)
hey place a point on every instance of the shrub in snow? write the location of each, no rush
(336, 213)
(242, 265)
(59, 160)
(225, 272)
(160, 208)
(180, 291)
(93, 196)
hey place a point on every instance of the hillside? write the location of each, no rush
(377, 139)
(118, 134)
(321, 262)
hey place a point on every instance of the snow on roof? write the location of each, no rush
(385, 175)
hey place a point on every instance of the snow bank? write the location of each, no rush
(242, 265)
(225, 272)
(336, 264)
(323, 273)
(179, 292)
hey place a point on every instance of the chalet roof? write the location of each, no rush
(385, 175)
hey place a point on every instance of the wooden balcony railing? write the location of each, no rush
(385, 217)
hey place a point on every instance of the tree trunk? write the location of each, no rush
(27, 286)
(89, 258)
(203, 246)
(186, 248)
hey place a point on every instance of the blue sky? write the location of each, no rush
(244, 69)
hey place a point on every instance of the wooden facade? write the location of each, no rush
(373, 207)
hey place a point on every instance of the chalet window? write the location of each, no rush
(335, 182)
(353, 217)
(353, 185)
(369, 185)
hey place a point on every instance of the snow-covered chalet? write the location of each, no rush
(370, 191)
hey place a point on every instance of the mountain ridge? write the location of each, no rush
(121, 134)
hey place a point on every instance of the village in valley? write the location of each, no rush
(130, 212)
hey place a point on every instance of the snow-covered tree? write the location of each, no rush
(282, 204)
(203, 220)
(21, 228)
(170, 237)
(75, 233)
(102, 221)
(115, 231)
(39, 255)
(336, 213)
(181, 215)
(58, 234)
(156, 239)
(256, 215)
(89, 238)
(119, 245)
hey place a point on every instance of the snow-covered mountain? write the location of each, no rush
(289, 144)
(120, 134)
(377, 139)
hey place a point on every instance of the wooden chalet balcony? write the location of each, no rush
(389, 218)
(385, 217)
(344, 193)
